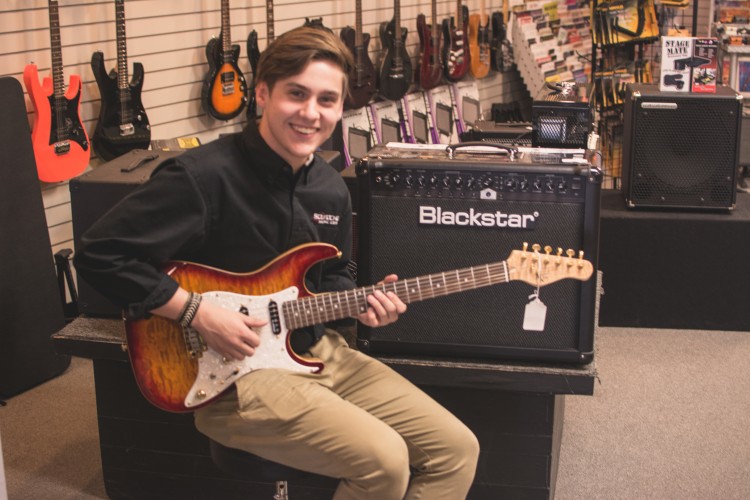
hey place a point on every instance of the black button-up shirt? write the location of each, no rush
(233, 204)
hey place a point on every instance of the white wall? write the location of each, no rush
(168, 37)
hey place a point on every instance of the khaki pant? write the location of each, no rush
(357, 420)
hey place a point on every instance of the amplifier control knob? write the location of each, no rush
(378, 179)
(421, 181)
(458, 182)
(395, 178)
(433, 180)
(537, 185)
(446, 181)
(487, 181)
(510, 184)
(470, 182)
(561, 185)
(549, 186)
(524, 185)
(409, 180)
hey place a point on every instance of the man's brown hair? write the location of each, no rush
(290, 54)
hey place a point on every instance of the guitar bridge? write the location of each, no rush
(127, 129)
(194, 343)
(62, 147)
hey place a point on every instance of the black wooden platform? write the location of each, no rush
(675, 269)
(515, 409)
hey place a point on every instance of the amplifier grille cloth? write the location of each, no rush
(491, 316)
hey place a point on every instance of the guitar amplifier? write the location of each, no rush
(508, 133)
(562, 116)
(424, 211)
(93, 194)
(680, 150)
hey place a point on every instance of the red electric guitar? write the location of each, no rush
(430, 67)
(456, 45)
(177, 372)
(224, 92)
(61, 144)
(363, 83)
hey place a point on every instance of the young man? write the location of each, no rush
(236, 204)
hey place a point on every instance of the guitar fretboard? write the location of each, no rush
(58, 79)
(332, 306)
(226, 36)
(126, 115)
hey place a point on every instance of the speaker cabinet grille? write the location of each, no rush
(486, 322)
(681, 150)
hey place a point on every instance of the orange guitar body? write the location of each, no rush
(61, 151)
(163, 368)
(228, 104)
(479, 45)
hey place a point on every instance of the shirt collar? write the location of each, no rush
(269, 164)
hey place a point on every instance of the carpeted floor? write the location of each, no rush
(669, 420)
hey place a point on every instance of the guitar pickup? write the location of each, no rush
(62, 147)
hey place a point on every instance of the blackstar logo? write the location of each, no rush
(437, 216)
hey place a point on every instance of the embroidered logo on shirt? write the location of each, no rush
(327, 219)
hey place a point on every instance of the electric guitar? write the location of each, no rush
(60, 142)
(456, 45)
(430, 67)
(479, 43)
(123, 124)
(500, 48)
(253, 55)
(363, 83)
(177, 372)
(224, 92)
(395, 68)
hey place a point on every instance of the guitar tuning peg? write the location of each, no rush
(580, 259)
(570, 253)
(525, 246)
(536, 247)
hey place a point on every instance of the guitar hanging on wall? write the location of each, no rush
(123, 124)
(456, 45)
(479, 43)
(253, 56)
(224, 92)
(363, 83)
(395, 68)
(430, 67)
(61, 144)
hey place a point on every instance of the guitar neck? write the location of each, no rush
(459, 15)
(269, 20)
(58, 80)
(397, 22)
(358, 27)
(122, 49)
(226, 36)
(434, 33)
(338, 305)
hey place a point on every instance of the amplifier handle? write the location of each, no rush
(508, 150)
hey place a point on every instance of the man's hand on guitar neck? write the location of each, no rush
(229, 333)
(384, 307)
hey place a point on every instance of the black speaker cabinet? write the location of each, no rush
(93, 194)
(680, 150)
(31, 308)
(421, 213)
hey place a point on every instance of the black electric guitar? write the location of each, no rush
(253, 55)
(363, 83)
(456, 45)
(501, 52)
(123, 124)
(395, 68)
(224, 91)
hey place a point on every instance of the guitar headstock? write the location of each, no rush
(541, 266)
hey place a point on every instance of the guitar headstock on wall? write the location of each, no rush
(539, 266)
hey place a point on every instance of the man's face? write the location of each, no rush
(301, 111)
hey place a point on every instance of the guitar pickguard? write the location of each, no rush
(216, 374)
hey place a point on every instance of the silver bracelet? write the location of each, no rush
(191, 308)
